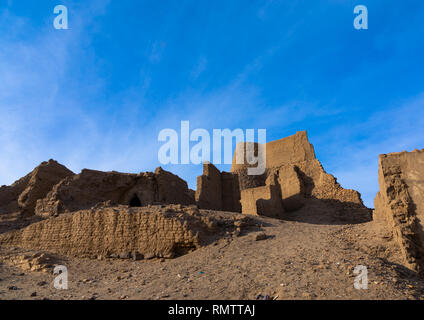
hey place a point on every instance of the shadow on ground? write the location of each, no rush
(330, 212)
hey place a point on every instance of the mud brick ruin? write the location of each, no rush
(293, 175)
(120, 231)
(84, 190)
(155, 214)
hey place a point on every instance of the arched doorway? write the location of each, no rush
(135, 201)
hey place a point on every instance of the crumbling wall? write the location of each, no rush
(321, 185)
(263, 201)
(289, 150)
(400, 202)
(292, 187)
(24, 193)
(230, 192)
(300, 176)
(91, 187)
(172, 189)
(209, 188)
(217, 191)
(109, 231)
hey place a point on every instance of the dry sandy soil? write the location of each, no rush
(309, 255)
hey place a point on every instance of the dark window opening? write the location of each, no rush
(135, 201)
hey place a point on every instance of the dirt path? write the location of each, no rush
(302, 258)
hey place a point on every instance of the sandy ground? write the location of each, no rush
(310, 255)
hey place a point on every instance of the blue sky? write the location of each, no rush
(97, 95)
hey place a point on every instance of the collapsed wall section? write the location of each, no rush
(23, 194)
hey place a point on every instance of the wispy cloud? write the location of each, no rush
(36, 99)
(97, 95)
(351, 152)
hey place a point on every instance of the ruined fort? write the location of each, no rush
(155, 215)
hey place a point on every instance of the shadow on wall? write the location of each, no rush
(302, 206)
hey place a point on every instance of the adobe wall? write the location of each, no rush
(171, 189)
(118, 231)
(209, 188)
(91, 187)
(300, 176)
(292, 187)
(263, 201)
(289, 150)
(217, 190)
(293, 149)
(230, 192)
(400, 202)
(108, 231)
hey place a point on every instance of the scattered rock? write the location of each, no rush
(260, 236)
(263, 297)
(149, 256)
(137, 256)
(124, 255)
(33, 262)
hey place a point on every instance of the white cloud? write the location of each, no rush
(352, 152)
(32, 70)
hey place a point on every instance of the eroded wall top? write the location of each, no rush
(289, 150)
